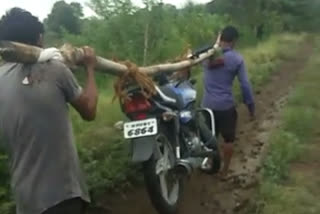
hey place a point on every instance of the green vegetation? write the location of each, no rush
(291, 176)
(270, 33)
(102, 149)
(158, 31)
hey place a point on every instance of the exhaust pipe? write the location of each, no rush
(183, 167)
(187, 166)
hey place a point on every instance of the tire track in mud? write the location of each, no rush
(206, 194)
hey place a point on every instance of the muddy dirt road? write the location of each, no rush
(206, 194)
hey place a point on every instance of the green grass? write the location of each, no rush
(103, 152)
(291, 179)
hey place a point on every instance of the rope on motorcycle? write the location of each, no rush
(147, 85)
(133, 76)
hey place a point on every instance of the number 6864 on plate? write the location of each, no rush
(141, 128)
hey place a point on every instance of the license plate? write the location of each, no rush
(141, 128)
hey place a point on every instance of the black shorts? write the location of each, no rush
(226, 124)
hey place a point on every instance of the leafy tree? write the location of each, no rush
(77, 9)
(65, 16)
(291, 15)
(296, 14)
(110, 8)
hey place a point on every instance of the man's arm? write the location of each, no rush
(247, 93)
(86, 103)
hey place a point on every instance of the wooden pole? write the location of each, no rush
(17, 52)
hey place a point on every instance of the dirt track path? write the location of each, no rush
(206, 194)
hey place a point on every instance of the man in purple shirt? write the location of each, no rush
(219, 75)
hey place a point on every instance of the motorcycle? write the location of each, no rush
(171, 138)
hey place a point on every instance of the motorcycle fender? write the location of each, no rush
(142, 148)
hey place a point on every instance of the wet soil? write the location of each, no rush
(207, 194)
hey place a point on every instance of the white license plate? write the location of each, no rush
(141, 128)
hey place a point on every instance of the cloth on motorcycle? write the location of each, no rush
(161, 78)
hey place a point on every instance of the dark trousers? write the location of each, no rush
(226, 124)
(72, 206)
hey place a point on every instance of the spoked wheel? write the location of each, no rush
(163, 185)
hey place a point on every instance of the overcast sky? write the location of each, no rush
(41, 8)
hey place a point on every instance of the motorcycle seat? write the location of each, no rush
(169, 97)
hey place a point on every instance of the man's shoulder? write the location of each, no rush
(234, 56)
(52, 69)
(7, 67)
(54, 65)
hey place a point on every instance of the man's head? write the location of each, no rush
(21, 26)
(229, 36)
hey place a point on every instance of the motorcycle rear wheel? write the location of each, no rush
(163, 186)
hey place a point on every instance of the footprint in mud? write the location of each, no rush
(244, 160)
(253, 154)
(240, 205)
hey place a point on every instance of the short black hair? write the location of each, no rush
(19, 25)
(229, 34)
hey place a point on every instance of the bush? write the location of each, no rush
(283, 191)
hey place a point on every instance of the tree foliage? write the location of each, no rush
(155, 33)
(65, 16)
(111, 8)
(158, 31)
(269, 15)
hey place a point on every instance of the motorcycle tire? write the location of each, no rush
(164, 205)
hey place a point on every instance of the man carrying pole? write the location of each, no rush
(34, 123)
